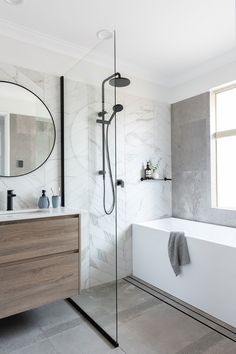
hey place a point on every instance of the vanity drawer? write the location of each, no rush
(33, 283)
(36, 238)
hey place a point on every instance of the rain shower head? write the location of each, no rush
(119, 81)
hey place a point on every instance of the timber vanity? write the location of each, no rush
(39, 258)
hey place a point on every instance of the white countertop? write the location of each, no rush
(26, 214)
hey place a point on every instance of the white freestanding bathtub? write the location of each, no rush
(208, 282)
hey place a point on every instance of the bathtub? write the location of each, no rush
(208, 282)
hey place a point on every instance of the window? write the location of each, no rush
(224, 148)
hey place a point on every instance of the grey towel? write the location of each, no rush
(178, 251)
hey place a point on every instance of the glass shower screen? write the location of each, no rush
(85, 150)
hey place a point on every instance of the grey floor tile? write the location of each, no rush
(54, 314)
(61, 327)
(116, 351)
(202, 344)
(133, 343)
(137, 310)
(18, 331)
(162, 329)
(130, 296)
(196, 313)
(44, 347)
(82, 339)
(146, 326)
(225, 346)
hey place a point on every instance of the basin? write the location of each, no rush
(12, 213)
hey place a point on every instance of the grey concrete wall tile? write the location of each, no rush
(191, 109)
(189, 149)
(191, 163)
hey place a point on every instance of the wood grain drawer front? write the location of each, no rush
(25, 286)
(38, 238)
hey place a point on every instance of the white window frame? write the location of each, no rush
(214, 135)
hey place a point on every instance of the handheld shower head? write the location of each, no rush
(117, 108)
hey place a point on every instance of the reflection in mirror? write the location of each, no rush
(27, 130)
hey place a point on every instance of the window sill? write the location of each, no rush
(224, 208)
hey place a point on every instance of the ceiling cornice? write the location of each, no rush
(203, 68)
(54, 44)
(72, 50)
(40, 39)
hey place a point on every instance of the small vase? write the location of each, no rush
(155, 175)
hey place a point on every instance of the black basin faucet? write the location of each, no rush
(10, 196)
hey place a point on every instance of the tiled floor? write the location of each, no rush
(147, 326)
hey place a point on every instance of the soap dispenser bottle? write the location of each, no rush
(148, 171)
(43, 201)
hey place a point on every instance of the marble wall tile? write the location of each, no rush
(143, 133)
(28, 188)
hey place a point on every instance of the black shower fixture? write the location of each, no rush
(115, 80)
(117, 108)
(119, 81)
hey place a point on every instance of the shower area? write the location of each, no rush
(90, 145)
(113, 125)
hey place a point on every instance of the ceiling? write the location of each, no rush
(165, 41)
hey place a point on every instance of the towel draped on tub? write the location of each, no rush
(178, 251)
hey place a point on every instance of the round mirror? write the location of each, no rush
(27, 130)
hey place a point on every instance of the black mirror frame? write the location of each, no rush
(54, 128)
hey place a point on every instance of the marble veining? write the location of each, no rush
(143, 133)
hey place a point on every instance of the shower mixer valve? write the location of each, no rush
(101, 114)
(101, 172)
(102, 121)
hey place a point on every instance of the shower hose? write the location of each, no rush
(108, 211)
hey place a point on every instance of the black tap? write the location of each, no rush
(10, 196)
